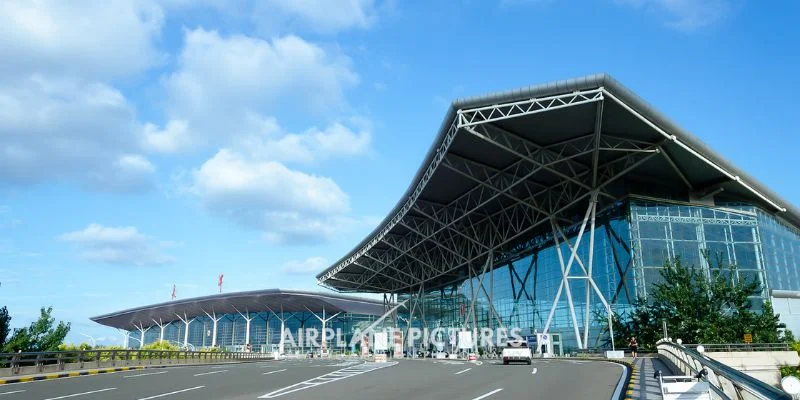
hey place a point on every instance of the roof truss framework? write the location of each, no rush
(443, 237)
(540, 183)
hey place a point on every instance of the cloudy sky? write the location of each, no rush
(150, 143)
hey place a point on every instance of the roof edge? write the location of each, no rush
(593, 81)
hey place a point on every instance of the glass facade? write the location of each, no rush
(264, 331)
(632, 243)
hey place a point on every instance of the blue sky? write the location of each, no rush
(152, 143)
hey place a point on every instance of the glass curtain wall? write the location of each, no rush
(729, 235)
(523, 289)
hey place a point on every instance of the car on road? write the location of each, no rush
(517, 351)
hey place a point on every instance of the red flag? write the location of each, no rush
(173, 291)
(220, 282)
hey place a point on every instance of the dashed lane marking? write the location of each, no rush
(171, 393)
(334, 376)
(16, 391)
(80, 394)
(483, 396)
(272, 372)
(534, 371)
(147, 374)
(462, 371)
(212, 372)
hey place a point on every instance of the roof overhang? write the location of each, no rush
(272, 300)
(507, 165)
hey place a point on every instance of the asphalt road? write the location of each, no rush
(317, 379)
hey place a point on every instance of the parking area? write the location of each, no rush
(315, 379)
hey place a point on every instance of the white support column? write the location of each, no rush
(163, 327)
(282, 318)
(214, 318)
(247, 319)
(186, 322)
(565, 273)
(325, 320)
(587, 321)
(141, 330)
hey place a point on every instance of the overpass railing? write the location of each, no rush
(726, 383)
(54, 361)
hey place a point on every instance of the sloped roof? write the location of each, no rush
(231, 303)
(573, 128)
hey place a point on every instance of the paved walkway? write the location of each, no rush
(644, 385)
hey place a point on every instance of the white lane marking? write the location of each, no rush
(272, 372)
(171, 393)
(334, 376)
(149, 373)
(534, 371)
(462, 371)
(487, 394)
(80, 394)
(16, 391)
(212, 372)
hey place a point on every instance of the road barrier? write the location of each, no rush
(14, 364)
(726, 382)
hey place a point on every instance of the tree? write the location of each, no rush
(41, 335)
(5, 325)
(699, 306)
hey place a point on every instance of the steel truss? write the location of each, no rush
(479, 228)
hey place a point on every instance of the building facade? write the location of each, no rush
(233, 320)
(549, 207)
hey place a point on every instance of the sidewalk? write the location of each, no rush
(643, 384)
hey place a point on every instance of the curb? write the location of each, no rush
(72, 374)
(68, 374)
(627, 391)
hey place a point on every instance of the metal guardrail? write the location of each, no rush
(727, 383)
(734, 347)
(80, 359)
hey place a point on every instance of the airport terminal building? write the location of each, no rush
(538, 208)
(232, 320)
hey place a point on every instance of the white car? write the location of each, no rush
(517, 351)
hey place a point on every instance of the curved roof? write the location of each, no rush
(570, 131)
(231, 303)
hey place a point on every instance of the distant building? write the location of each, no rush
(221, 320)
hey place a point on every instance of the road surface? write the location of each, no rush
(341, 380)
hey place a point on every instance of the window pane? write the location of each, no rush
(684, 231)
(742, 233)
(652, 230)
(654, 253)
(715, 233)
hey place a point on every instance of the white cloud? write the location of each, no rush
(117, 245)
(174, 137)
(322, 16)
(288, 206)
(97, 39)
(70, 130)
(685, 15)
(336, 140)
(224, 85)
(308, 266)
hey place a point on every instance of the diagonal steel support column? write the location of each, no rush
(186, 322)
(247, 319)
(213, 317)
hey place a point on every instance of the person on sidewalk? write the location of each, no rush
(634, 345)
